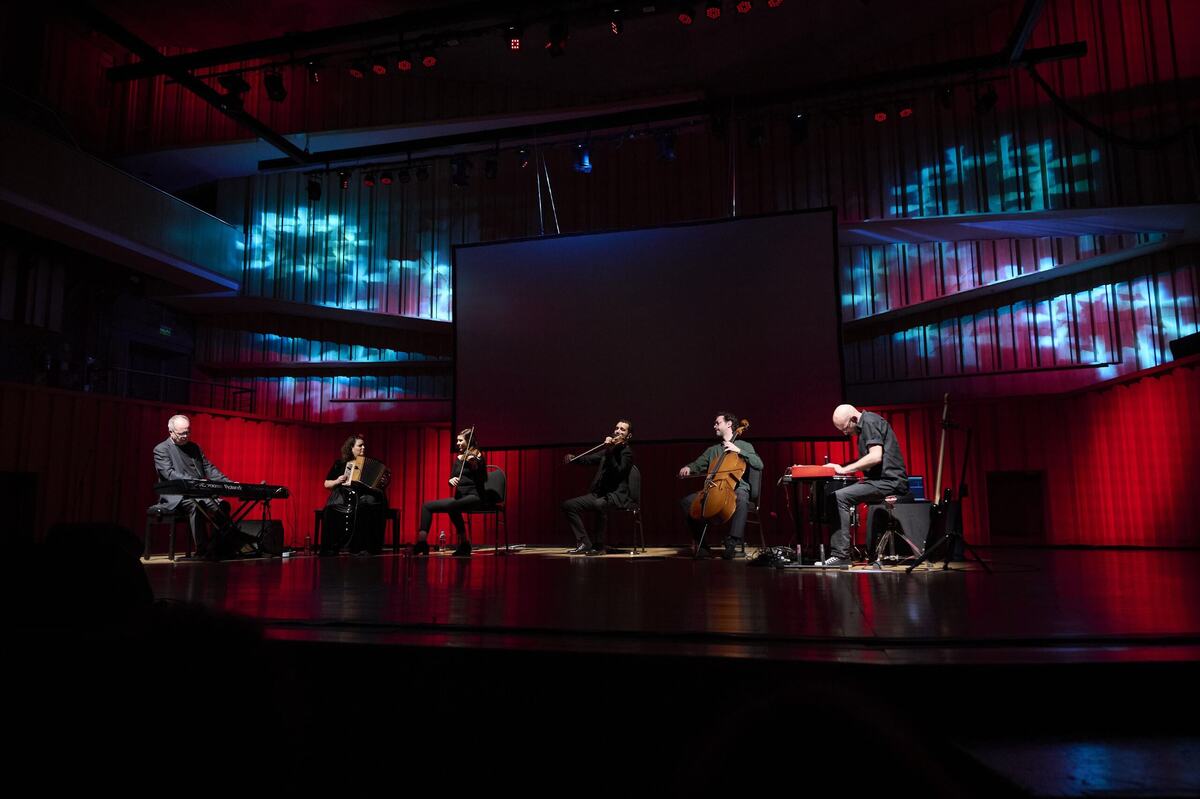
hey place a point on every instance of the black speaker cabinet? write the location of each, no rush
(913, 518)
(267, 540)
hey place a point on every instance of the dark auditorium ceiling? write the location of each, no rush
(800, 43)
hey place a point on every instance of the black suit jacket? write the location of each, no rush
(174, 462)
(612, 474)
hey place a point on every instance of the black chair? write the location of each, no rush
(495, 491)
(635, 510)
(157, 516)
(754, 478)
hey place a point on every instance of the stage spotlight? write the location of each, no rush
(685, 14)
(712, 9)
(556, 38)
(404, 62)
(490, 168)
(234, 85)
(422, 173)
(666, 147)
(314, 190)
(616, 22)
(798, 127)
(429, 58)
(523, 157)
(906, 110)
(945, 96)
(378, 66)
(314, 72)
(385, 178)
(403, 175)
(357, 70)
(515, 33)
(745, 6)
(344, 180)
(369, 180)
(774, 3)
(273, 83)
(985, 102)
(460, 171)
(583, 160)
(880, 115)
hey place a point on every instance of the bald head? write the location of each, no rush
(845, 418)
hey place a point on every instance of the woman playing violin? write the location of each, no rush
(610, 488)
(468, 475)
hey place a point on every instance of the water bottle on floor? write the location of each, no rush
(441, 544)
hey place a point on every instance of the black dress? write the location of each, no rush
(353, 518)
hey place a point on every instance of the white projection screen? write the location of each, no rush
(556, 338)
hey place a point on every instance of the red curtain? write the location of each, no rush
(1119, 462)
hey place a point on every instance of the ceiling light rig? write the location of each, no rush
(616, 21)
(404, 62)
(745, 6)
(685, 14)
(556, 38)
(712, 9)
(515, 34)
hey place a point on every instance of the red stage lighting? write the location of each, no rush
(369, 180)
(744, 6)
(404, 63)
(905, 112)
(514, 44)
(712, 9)
(685, 15)
(344, 180)
(774, 3)
(357, 70)
(881, 116)
(385, 178)
(429, 60)
(378, 67)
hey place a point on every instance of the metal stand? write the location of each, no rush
(890, 535)
(951, 511)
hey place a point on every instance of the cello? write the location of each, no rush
(717, 501)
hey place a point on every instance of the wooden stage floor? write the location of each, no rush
(1039, 606)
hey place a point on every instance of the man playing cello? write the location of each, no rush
(743, 452)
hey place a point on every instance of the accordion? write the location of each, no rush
(366, 473)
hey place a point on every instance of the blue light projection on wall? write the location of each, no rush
(1030, 178)
(336, 261)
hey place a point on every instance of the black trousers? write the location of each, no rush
(452, 506)
(846, 498)
(207, 540)
(574, 509)
(737, 523)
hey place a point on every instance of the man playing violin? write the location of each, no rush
(880, 460)
(610, 489)
(723, 427)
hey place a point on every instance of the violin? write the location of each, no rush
(470, 454)
(717, 501)
(608, 443)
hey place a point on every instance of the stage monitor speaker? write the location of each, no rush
(266, 539)
(1185, 346)
(913, 518)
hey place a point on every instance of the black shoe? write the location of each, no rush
(730, 550)
(420, 548)
(463, 550)
(580, 549)
(597, 550)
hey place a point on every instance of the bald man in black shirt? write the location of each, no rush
(880, 460)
